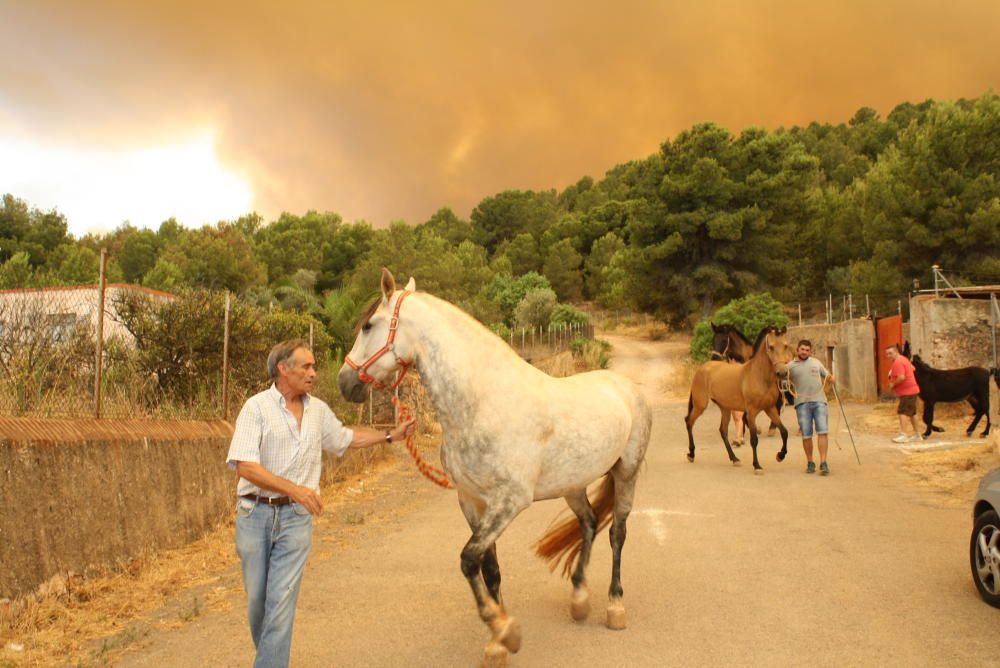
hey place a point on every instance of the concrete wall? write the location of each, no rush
(853, 349)
(76, 494)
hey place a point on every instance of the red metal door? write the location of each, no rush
(888, 331)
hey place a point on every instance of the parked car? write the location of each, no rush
(984, 548)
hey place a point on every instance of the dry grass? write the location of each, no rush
(59, 623)
(954, 473)
(558, 365)
(65, 621)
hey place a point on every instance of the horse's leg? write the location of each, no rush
(498, 514)
(694, 412)
(490, 564)
(774, 425)
(984, 406)
(624, 492)
(776, 420)
(724, 430)
(977, 407)
(929, 418)
(751, 417)
(580, 505)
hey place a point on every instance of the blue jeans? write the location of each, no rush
(273, 543)
(809, 412)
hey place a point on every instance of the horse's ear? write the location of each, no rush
(715, 328)
(411, 285)
(388, 284)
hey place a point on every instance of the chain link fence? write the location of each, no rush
(840, 308)
(124, 351)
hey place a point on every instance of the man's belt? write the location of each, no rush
(269, 500)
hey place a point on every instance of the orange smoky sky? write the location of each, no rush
(391, 110)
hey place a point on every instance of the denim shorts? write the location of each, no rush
(809, 412)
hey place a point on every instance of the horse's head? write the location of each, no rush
(778, 350)
(720, 340)
(383, 350)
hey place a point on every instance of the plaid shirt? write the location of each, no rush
(267, 433)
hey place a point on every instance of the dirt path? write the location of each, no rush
(721, 567)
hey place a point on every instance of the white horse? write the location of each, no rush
(512, 435)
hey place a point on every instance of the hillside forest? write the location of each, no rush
(864, 207)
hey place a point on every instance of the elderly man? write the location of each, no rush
(276, 450)
(904, 383)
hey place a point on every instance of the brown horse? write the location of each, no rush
(750, 387)
(729, 343)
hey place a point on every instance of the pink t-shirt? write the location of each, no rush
(908, 386)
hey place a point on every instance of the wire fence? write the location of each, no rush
(123, 351)
(839, 308)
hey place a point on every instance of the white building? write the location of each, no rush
(58, 310)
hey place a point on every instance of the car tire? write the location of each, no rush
(984, 556)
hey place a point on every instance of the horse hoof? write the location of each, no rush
(736, 462)
(758, 471)
(508, 633)
(770, 433)
(580, 607)
(616, 615)
(691, 458)
(780, 456)
(495, 656)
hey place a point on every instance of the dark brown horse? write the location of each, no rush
(750, 387)
(971, 383)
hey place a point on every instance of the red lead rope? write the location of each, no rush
(431, 472)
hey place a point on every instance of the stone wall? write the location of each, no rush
(950, 333)
(77, 494)
(852, 346)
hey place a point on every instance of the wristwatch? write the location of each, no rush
(388, 437)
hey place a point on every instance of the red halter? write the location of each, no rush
(434, 474)
(362, 369)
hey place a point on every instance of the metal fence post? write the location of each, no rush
(99, 357)
(225, 361)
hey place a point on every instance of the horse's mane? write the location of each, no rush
(367, 315)
(763, 334)
(732, 328)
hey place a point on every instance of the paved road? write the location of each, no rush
(721, 567)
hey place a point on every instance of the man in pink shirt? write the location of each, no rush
(904, 384)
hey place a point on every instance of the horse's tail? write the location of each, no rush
(566, 539)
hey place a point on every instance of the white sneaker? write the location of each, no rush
(916, 437)
(902, 438)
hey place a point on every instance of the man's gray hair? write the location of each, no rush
(282, 353)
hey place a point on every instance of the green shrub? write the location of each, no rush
(748, 314)
(567, 314)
